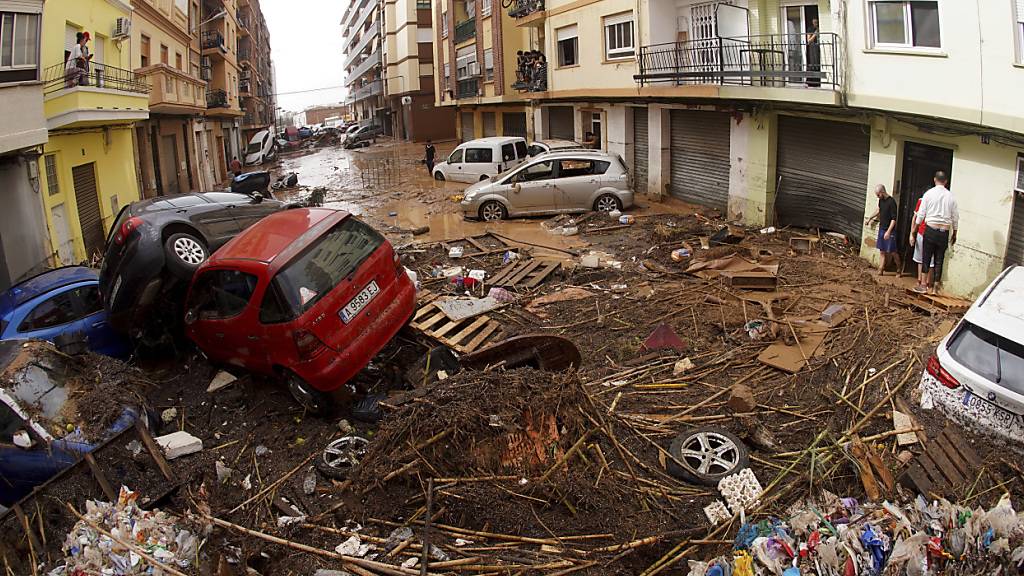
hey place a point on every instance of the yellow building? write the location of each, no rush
(89, 160)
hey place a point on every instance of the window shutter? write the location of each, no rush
(1020, 11)
(1020, 174)
(628, 17)
(566, 33)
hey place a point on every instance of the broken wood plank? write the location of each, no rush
(751, 280)
(154, 451)
(100, 477)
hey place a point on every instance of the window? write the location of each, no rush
(163, 54)
(222, 294)
(89, 300)
(479, 155)
(144, 50)
(538, 171)
(618, 36)
(19, 40)
(905, 24)
(444, 24)
(1020, 174)
(456, 157)
(423, 4)
(571, 168)
(508, 152)
(485, 7)
(1019, 30)
(521, 149)
(989, 355)
(447, 76)
(465, 63)
(193, 18)
(50, 165)
(488, 64)
(177, 60)
(50, 313)
(169, 84)
(568, 45)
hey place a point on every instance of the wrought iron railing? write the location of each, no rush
(465, 30)
(521, 8)
(59, 77)
(769, 60)
(243, 53)
(467, 88)
(532, 77)
(212, 39)
(216, 99)
(243, 21)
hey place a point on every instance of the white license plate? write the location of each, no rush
(355, 305)
(1001, 417)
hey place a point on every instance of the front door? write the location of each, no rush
(169, 164)
(798, 21)
(88, 203)
(534, 189)
(920, 163)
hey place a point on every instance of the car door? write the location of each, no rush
(222, 323)
(479, 162)
(533, 188)
(93, 320)
(245, 209)
(455, 166)
(578, 180)
(48, 316)
(215, 220)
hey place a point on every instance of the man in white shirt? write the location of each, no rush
(941, 216)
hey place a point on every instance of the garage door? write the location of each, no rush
(490, 124)
(467, 127)
(1015, 241)
(640, 150)
(823, 167)
(513, 124)
(560, 123)
(88, 203)
(700, 157)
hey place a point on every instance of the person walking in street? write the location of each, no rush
(922, 278)
(429, 152)
(886, 217)
(236, 166)
(941, 216)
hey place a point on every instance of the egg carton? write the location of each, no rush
(741, 490)
(717, 512)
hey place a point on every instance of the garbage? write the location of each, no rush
(500, 294)
(221, 380)
(345, 427)
(627, 219)
(135, 447)
(756, 329)
(728, 235)
(353, 547)
(309, 483)
(180, 443)
(455, 252)
(681, 254)
(410, 562)
(261, 450)
(22, 439)
(414, 278)
(740, 490)
(663, 338)
(717, 512)
(615, 214)
(223, 471)
(570, 230)
(285, 521)
(768, 230)
(462, 308)
(169, 415)
(591, 261)
(478, 275)
(397, 536)
(682, 367)
(741, 399)
(509, 256)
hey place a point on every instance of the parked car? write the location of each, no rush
(976, 375)
(262, 148)
(544, 146)
(305, 132)
(65, 301)
(38, 386)
(309, 295)
(363, 136)
(155, 242)
(573, 181)
(482, 158)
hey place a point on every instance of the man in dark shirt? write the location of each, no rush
(886, 216)
(429, 154)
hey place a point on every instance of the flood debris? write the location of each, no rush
(180, 443)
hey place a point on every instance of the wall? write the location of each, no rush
(24, 243)
(158, 35)
(98, 17)
(593, 71)
(751, 172)
(22, 123)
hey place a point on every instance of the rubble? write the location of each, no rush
(223, 379)
(180, 443)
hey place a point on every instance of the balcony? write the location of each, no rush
(173, 91)
(217, 99)
(244, 88)
(774, 60)
(467, 88)
(361, 44)
(365, 66)
(214, 41)
(371, 89)
(243, 24)
(103, 95)
(465, 30)
(244, 54)
(527, 12)
(532, 76)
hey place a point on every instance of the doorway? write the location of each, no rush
(169, 165)
(87, 200)
(920, 163)
(798, 21)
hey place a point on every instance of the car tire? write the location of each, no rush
(607, 203)
(707, 455)
(184, 253)
(439, 176)
(312, 400)
(492, 211)
(340, 456)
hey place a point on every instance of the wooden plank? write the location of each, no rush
(451, 325)
(479, 339)
(35, 547)
(929, 467)
(426, 325)
(918, 478)
(942, 462)
(473, 327)
(423, 311)
(154, 450)
(543, 274)
(100, 477)
(752, 280)
(518, 276)
(479, 247)
(951, 453)
(966, 451)
(503, 273)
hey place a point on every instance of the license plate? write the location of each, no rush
(355, 305)
(998, 415)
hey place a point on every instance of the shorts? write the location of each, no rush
(886, 245)
(919, 250)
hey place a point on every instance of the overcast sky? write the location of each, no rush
(305, 39)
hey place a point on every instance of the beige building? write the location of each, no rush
(221, 130)
(255, 81)
(362, 60)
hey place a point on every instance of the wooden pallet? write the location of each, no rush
(942, 303)
(476, 243)
(947, 462)
(527, 274)
(464, 336)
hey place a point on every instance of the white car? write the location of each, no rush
(976, 375)
(482, 158)
(554, 145)
(262, 148)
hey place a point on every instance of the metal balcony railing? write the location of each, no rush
(212, 39)
(467, 88)
(372, 89)
(371, 61)
(244, 86)
(521, 8)
(770, 60)
(357, 49)
(59, 77)
(532, 77)
(216, 99)
(465, 30)
(243, 53)
(243, 21)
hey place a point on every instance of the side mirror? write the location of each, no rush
(517, 188)
(190, 317)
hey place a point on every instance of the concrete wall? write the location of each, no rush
(594, 71)
(22, 124)
(23, 238)
(752, 148)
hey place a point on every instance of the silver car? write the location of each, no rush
(556, 182)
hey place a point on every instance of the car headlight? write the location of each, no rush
(470, 196)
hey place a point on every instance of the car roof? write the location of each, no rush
(581, 153)
(493, 140)
(43, 283)
(1000, 308)
(558, 143)
(271, 236)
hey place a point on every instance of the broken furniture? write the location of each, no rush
(541, 351)
(946, 463)
(479, 245)
(803, 244)
(933, 304)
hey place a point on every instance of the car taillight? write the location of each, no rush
(126, 229)
(399, 269)
(307, 344)
(939, 373)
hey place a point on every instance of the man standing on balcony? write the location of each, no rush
(941, 216)
(813, 55)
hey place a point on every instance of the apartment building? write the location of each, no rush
(315, 115)
(88, 170)
(362, 60)
(790, 112)
(477, 45)
(220, 132)
(256, 80)
(408, 58)
(164, 35)
(24, 249)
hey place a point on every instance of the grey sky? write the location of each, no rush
(305, 37)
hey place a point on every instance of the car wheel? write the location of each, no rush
(607, 203)
(439, 176)
(492, 211)
(184, 253)
(312, 400)
(340, 456)
(706, 455)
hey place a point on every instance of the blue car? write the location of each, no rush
(62, 301)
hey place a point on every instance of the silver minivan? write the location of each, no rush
(556, 182)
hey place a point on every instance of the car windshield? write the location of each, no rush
(334, 256)
(989, 355)
(254, 148)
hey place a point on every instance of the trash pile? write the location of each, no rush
(122, 539)
(842, 536)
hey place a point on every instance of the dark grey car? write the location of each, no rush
(157, 244)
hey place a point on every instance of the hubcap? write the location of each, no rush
(606, 204)
(303, 395)
(345, 453)
(189, 251)
(710, 453)
(492, 212)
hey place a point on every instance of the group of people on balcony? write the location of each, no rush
(76, 67)
(531, 71)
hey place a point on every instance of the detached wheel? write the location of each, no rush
(340, 456)
(184, 253)
(607, 203)
(439, 176)
(707, 455)
(492, 211)
(312, 400)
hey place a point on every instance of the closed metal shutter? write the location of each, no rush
(513, 124)
(1015, 240)
(700, 157)
(560, 123)
(89, 218)
(490, 124)
(823, 167)
(467, 126)
(641, 152)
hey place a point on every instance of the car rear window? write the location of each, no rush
(222, 294)
(508, 152)
(334, 256)
(989, 355)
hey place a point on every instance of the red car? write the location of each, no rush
(310, 295)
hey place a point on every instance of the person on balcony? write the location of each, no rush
(76, 68)
(813, 55)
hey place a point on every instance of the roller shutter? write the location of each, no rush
(641, 152)
(490, 124)
(1015, 240)
(513, 124)
(823, 167)
(467, 127)
(88, 203)
(560, 123)
(700, 157)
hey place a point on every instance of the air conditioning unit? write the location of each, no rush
(122, 28)
(473, 69)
